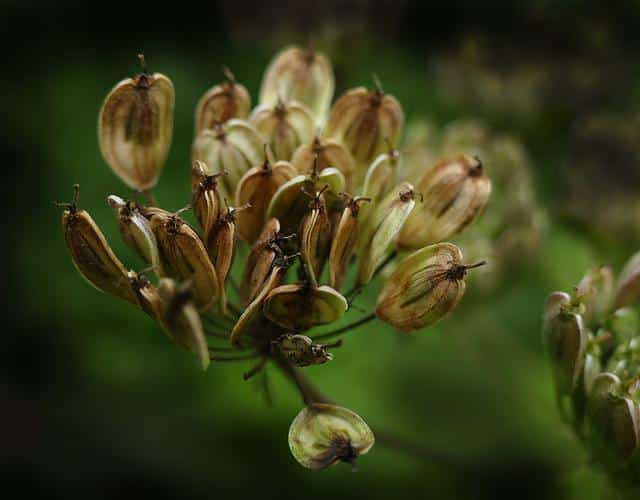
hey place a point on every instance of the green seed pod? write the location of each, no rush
(382, 228)
(91, 254)
(424, 287)
(284, 127)
(365, 122)
(323, 434)
(301, 75)
(184, 258)
(625, 323)
(205, 198)
(180, 320)
(321, 154)
(135, 128)
(256, 188)
(314, 246)
(301, 351)
(232, 147)
(136, 231)
(455, 191)
(595, 292)
(222, 102)
(299, 307)
(628, 287)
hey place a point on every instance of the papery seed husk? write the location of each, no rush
(344, 242)
(256, 188)
(628, 287)
(455, 192)
(221, 103)
(302, 75)
(135, 128)
(380, 176)
(205, 198)
(323, 434)
(321, 154)
(184, 258)
(424, 287)
(147, 295)
(313, 245)
(595, 292)
(301, 351)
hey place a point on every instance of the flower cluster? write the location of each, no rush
(307, 199)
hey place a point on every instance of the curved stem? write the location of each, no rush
(344, 329)
(151, 200)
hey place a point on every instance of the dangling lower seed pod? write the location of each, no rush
(381, 230)
(284, 127)
(232, 147)
(147, 295)
(185, 258)
(301, 351)
(628, 287)
(344, 241)
(135, 128)
(205, 198)
(424, 287)
(314, 246)
(455, 191)
(299, 307)
(222, 102)
(363, 121)
(136, 231)
(180, 319)
(566, 340)
(301, 75)
(91, 254)
(595, 292)
(323, 434)
(256, 188)
(327, 154)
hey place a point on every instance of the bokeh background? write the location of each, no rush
(95, 402)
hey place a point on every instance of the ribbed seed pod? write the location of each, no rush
(184, 258)
(181, 321)
(424, 287)
(381, 230)
(284, 127)
(595, 292)
(344, 241)
(299, 307)
(302, 75)
(381, 175)
(455, 191)
(91, 254)
(256, 188)
(135, 127)
(300, 350)
(628, 287)
(147, 295)
(313, 229)
(222, 102)
(321, 154)
(136, 231)
(232, 147)
(365, 122)
(322, 435)
(205, 198)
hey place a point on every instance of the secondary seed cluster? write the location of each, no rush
(311, 194)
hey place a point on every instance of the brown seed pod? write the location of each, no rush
(314, 246)
(205, 198)
(327, 154)
(300, 350)
(344, 241)
(284, 127)
(222, 102)
(425, 286)
(302, 75)
(91, 254)
(184, 258)
(256, 188)
(135, 128)
(380, 176)
(147, 295)
(455, 191)
(628, 287)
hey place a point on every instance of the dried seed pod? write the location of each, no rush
(284, 127)
(628, 287)
(232, 147)
(381, 176)
(299, 307)
(256, 188)
(135, 128)
(323, 434)
(566, 340)
(425, 286)
(205, 198)
(222, 102)
(301, 75)
(184, 258)
(147, 295)
(344, 241)
(91, 254)
(321, 154)
(180, 320)
(595, 292)
(363, 121)
(136, 231)
(455, 191)
(314, 246)
(301, 351)
(381, 230)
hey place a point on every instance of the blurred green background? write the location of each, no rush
(96, 402)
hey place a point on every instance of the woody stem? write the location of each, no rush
(151, 200)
